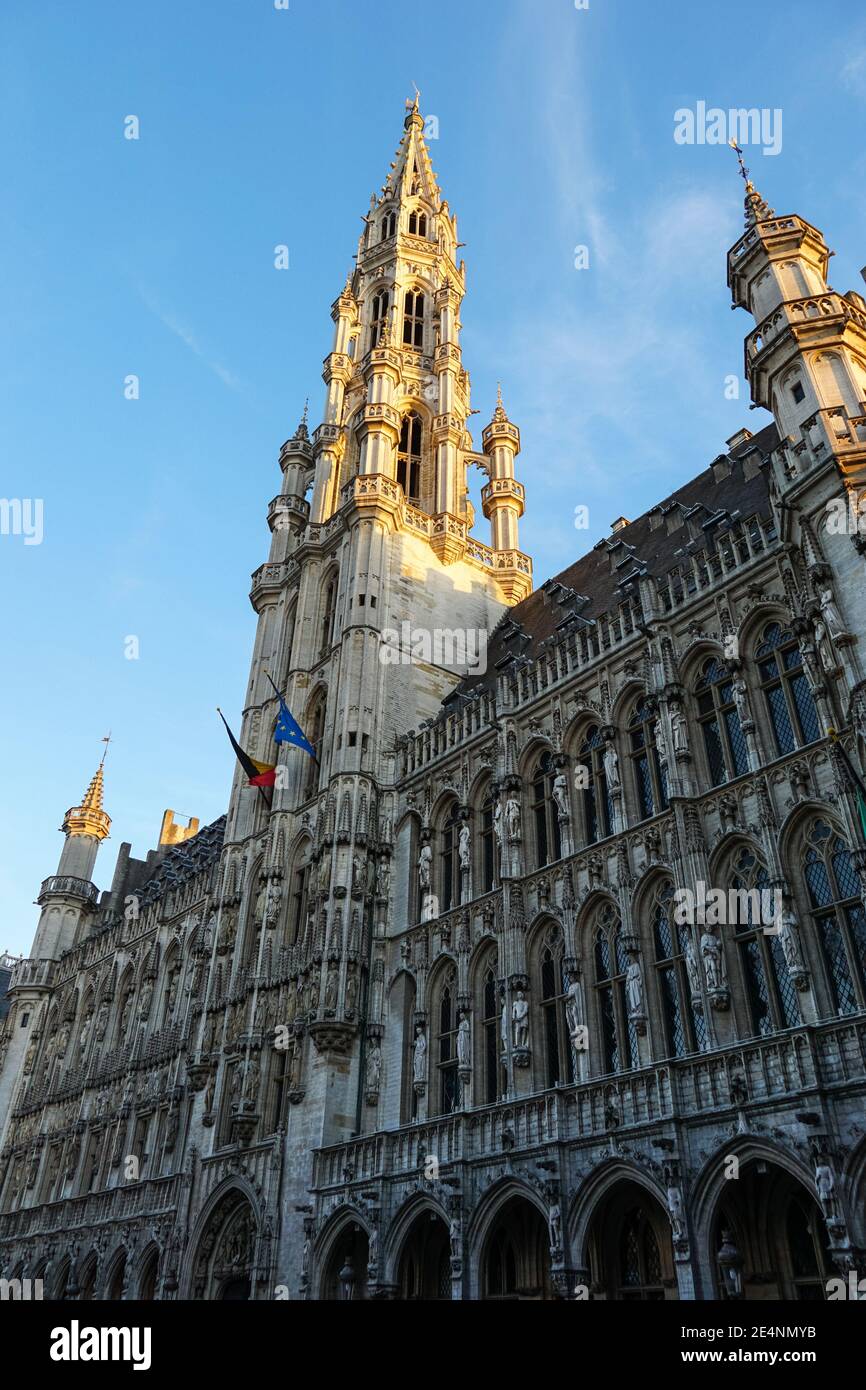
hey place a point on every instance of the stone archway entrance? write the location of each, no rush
(345, 1276)
(515, 1261)
(631, 1256)
(770, 1228)
(148, 1280)
(424, 1270)
(223, 1268)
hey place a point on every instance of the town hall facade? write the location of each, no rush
(430, 1020)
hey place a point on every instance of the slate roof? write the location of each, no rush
(736, 483)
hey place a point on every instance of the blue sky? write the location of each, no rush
(155, 257)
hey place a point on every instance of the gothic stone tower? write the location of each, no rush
(383, 553)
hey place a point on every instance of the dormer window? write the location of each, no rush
(413, 319)
(389, 225)
(418, 224)
(379, 317)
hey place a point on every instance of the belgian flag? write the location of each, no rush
(258, 774)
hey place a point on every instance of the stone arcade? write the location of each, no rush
(427, 1029)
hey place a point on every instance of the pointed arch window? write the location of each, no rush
(488, 844)
(640, 1266)
(724, 744)
(300, 893)
(838, 914)
(446, 1045)
(389, 225)
(490, 1028)
(450, 860)
(790, 707)
(618, 1036)
(413, 319)
(559, 1065)
(379, 316)
(548, 841)
(418, 224)
(315, 727)
(329, 610)
(684, 1027)
(597, 807)
(409, 457)
(770, 996)
(650, 778)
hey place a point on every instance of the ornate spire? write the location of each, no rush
(499, 414)
(89, 818)
(756, 208)
(302, 432)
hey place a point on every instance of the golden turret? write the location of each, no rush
(89, 818)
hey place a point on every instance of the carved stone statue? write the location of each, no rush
(373, 1075)
(679, 729)
(634, 987)
(464, 847)
(740, 697)
(102, 1020)
(146, 997)
(554, 1220)
(611, 767)
(425, 861)
(675, 1208)
(692, 970)
(512, 819)
(272, 902)
(560, 796)
(331, 987)
(826, 1185)
(497, 822)
(789, 938)
(520, 1021)
(822, 643)
(831, 615)
(711, 953)
(574, 1008)
(351, 992)
(419, 1056)
(464, 1043)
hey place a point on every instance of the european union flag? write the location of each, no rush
(288, 730)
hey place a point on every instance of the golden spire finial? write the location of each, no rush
(756, 207)
(89, 818)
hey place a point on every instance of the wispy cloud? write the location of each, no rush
(187, 336)
(854, 73)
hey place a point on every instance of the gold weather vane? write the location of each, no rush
(106, 741)
(744, 172)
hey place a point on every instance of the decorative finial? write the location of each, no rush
(301, 432)
(499, 412)
(106, 741)
(757, 209)
(413, 113)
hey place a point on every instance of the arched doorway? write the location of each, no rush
(114, 1283)
(149, 1274)
(515, 1263)
(87, 1280)
(345, 1276)
(424, 1271)
(630, 1249)
(61, 1279)
(223, 1268)
(772, 1237)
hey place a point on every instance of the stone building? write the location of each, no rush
(548, 978)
